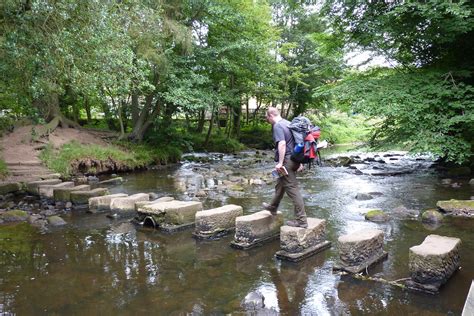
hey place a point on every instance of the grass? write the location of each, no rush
(127, 154)
(3, 169)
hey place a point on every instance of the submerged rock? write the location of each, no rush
(432, 217)
(56, 221)
(363, 196)
(14, 216)
(376, 216)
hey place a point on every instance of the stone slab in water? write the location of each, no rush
(359, 250)
(51, 176)
(9, 187)
(127, 204)
(32, 187)
(113, 181)
(433, 262)
(172, 212)
(216, 222)
(457, 207)
(139, 205)
(255, 229)
(468, 309)
(48, 189)
(64, 194)
(298, 243)
(82, 197)
(100, 203)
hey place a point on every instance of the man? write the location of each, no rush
(284, 144)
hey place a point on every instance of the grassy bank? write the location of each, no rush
(3, 169)
(127, 155)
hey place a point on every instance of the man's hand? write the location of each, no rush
(300, 168)
(278, 166)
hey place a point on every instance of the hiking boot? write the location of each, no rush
(297, 224)
(269, 208)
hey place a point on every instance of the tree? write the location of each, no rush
(426, 100)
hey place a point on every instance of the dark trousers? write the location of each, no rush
(289, 184)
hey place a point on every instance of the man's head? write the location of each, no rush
(273, 115)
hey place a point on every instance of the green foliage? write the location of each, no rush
(341, 128)
(425, 110)
(131, 155)
(257, 136)
(218, 142)
(3, 169)
(411, 32)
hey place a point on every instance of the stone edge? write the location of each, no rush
(295, 257)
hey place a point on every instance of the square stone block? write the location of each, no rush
(434, 261)
(216, 222)
(32, 187)
(359, 250)
(100, 203)
(127, 204)
(47, 190)
(167, 215)
(64, 194)
(11, 187)
(82, 197)
(140, 204)
(255, 229)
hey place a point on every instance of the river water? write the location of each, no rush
(96, 265)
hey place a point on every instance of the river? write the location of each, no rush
(97, 265)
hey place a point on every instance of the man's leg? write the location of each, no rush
(277, 196)
(293, 191)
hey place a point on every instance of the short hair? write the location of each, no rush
(273, 111)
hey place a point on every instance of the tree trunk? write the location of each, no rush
(209, 131)
(135, 109)
(237, 112)
(87, 106)
(202, 117)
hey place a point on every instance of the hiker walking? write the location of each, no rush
(284, 143)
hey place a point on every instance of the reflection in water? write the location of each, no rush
(103, 266)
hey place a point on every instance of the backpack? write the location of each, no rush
(306, 137)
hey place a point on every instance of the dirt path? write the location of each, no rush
(21, 154)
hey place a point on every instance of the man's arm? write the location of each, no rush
(281, 153)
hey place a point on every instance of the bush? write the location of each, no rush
(218, 142)
(257, 136)
(341, 128)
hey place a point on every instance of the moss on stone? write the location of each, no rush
(14, 216)
(431, 216)
(376, 216)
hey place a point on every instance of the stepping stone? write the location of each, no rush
(113, 181)
(256, 229)
(82, 197)
(216, 222)
(127, 204)
(51, 176)
(11, 187)
(360, 250)
(298, 243)
(48, 189)
(468, 309)
(433, 262)
(32, 187)
(457, 207)
(101, 203)
(140, 204)
(64, 194)
(169, 216)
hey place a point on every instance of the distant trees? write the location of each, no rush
(427, 100)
